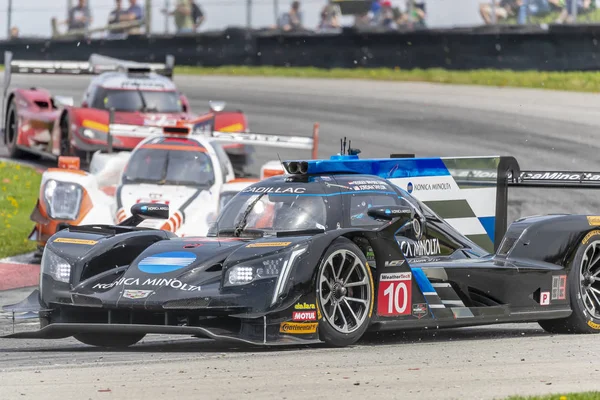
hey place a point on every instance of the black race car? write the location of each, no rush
(330, 250)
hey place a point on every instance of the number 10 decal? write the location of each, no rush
(394, 296)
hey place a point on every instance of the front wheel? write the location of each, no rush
(583, 283)
(12, 132)
(344, 294)
(104, 340)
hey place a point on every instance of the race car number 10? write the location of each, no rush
(394, 296)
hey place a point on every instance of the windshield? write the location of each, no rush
(226, 198)
(134, 100)
(169, 167)
(271, 213)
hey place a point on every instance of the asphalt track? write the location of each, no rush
(542, 129)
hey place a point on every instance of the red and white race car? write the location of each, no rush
(190, 173)
(123, 104)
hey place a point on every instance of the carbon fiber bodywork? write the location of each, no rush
(122, 280)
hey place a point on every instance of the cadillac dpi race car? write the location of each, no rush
(190, 173)
(142, 97)
(330, 250)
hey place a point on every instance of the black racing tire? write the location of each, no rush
(581, 320)
(343, 322)
(65, 137)
(114, 341)
(11, 127)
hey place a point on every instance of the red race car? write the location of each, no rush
(124, 103)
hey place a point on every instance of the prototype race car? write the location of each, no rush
(125, 103)
(190, 173)
(328, 251)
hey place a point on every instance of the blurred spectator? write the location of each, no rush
(14, 32)
(419, 13)
(566, 15)
(197, 15)
(536, 8)
(80, 16)
(291, 20)
(330, 17)
(183, 12)
(117, 15)
(385, 16)
(135, 13)
(504, 10)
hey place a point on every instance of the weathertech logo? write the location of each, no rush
(296, 328)
(304, 316)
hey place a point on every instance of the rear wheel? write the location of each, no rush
(66, 149)
(104, 340)
(583, 283)
(12, 132)
(344, 294)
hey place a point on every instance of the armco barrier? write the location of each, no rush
(559, 48)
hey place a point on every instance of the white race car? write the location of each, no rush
(190, 173)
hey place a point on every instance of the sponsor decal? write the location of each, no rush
(368, 185)
(594, 220)
(137, 294)
(394, 263)
(559, 175)
(160, 120)
(409, 187)
(589, 236)
(75, 241)
(268, 189)
(593, 325)
(370, 254)
(305, 306)
(545, 298)
(395, 294)
(419, 310)
(270, 244)
(559, 285)
(154, 208)
(431, 186)
(297, 328)
(154, 282)
(304, 315)
(163, 263)
(425, 247)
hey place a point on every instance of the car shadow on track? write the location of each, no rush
(369, 340)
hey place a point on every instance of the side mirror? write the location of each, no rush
(64, 101)
(387, 213)
(150, 211)
(143, 211)
(216, 106)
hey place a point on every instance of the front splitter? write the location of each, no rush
(65, 330)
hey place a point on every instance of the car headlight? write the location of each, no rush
(92, 134)
(274, 266)
(63, 199)
(57, 267)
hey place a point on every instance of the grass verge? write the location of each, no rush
(19, 186)
(569, 81)
(566, 396)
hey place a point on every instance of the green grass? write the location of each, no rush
(19, 186)
(590, 17)
(569, 81)
(566, 396)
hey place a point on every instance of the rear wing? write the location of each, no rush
(95, 65)
(258, 139)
